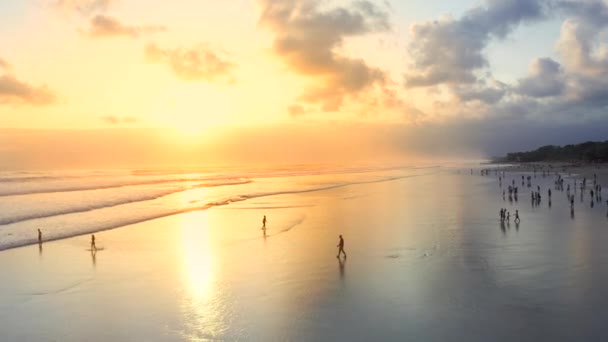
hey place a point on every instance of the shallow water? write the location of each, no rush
(66, 204)
(428, 260)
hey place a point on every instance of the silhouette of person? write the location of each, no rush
(93, 247)
(341, 247)
(39, 236)
(516, 216)
(264, 222)
(572, 202)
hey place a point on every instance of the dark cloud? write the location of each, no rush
(589, 92)
(307, 39)
(452, 51)
(84, 7)
(497, 136)
(449, 58)
(546, 79)
(488, 92)
(115, 120)
(199, 63)
(14, 91)
(106, 26)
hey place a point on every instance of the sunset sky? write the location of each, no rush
(414, 76)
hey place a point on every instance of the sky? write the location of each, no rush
(93, 83)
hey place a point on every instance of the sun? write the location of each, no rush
(194, 111)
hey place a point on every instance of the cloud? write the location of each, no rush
(452, 51)
(102, 25)
(107, 26)
(307, 39)
(296, 110)
(14, 91)
(199, 63)
(485, 91)
(4, 65)
(449, 59)
(83, 7)
(115, 120)
(546, 79)
(583, 41)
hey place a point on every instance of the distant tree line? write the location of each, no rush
(586, 152)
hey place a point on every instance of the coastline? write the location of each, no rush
(572, 169)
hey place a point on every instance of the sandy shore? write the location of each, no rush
(427, 261)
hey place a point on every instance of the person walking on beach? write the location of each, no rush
(93, 247)
(341, 247)
(264, 223)
(516, 216)
(39, 236)
(572, 202)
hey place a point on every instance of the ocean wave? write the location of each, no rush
(112, 202)
(20, 233)
(280, 171)
(27, 183)
(56, 188)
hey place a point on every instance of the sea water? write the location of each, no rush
(68, 203)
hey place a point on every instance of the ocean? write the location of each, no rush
(69, 203)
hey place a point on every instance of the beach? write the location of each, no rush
(428, 260)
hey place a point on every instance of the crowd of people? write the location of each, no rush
(572, 188)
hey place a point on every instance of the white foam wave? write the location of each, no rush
(72, 224)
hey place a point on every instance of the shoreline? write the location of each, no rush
(569, 168)
(212, 204)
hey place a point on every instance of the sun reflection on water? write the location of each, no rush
(197, 262)
(201, 306)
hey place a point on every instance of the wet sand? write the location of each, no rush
(428, 260)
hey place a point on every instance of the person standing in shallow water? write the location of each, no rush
(39, 236)
(341, 247)
(93, 247)
(264, 222)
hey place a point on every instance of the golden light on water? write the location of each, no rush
(198, 266)
(203, 309)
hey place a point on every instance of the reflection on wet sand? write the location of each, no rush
(94, 258)
(341, 264)
(201, 307)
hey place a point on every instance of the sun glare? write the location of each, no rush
(194, 112)
(197, 257)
